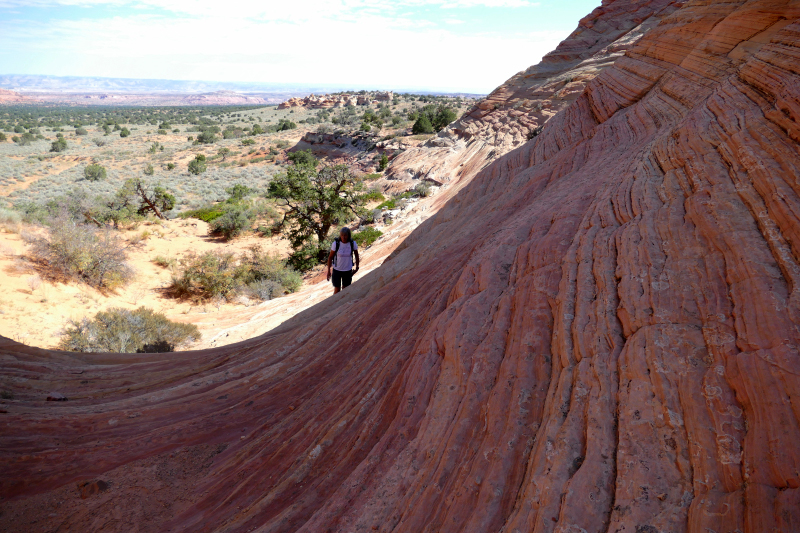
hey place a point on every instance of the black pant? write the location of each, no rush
(342, 279)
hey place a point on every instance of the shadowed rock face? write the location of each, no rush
(598, 333)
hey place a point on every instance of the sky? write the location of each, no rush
(437, 45)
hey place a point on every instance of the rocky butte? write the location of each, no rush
(596, 331)
(328, 101)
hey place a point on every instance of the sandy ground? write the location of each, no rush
(34, 310)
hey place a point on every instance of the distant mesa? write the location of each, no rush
(328, 101)
(13, 97)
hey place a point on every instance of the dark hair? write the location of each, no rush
(346, 231)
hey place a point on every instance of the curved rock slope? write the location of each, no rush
(598, 333)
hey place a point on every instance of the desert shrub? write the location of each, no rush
(170, 166)
(165, 262)
(94, 172)
(233, 222)
(206, 137)
(25, 140)
(383, 162)
(3, 137)
(120, 330)
(206, 214)
(422, 125)
(423, 189)
(198, 165)
(19, 129)
(99, 142)
(9, 217)
(391, 203)
(432, 118)
(59, 145)
(248, 142)
(217, 274)
(303, 157)
(284, 125)
(124, 132)
(308, 255)
(81, 131)
(374, 196)
(149, 170)
(81, 253)
(162, 132)
(367, 236)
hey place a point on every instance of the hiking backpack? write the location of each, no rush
(352, 251)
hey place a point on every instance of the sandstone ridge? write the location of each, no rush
(328, 101)
(598, 332)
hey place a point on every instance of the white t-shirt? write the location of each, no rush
(344, 259)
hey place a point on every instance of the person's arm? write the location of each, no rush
(355, 252)
(330, 259)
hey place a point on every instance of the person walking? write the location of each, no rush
(343, 250)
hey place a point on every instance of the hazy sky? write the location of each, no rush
(451, 45)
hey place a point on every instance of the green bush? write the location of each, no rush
(80, 253)
(391, 203)
(422, 125)
(170, 166)
(27, 139)
(308, 255)
(59, 145)
(374, 196)
(81, 131)
(198, 165)
(303, 157)
(233, 222)
(383, 162)
(217, 274)
(94, 172)
(3, 137)
(206, 214)
(248, 142)
(124, 132)
(149, 170)
(120, 330)
(206, 137)
(367, 236)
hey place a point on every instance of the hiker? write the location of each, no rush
(341, 257)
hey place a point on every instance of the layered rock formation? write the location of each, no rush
(12, 97)
(598, 332)
(516, 111)
(328, 101)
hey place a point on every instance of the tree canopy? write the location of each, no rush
(316, 200)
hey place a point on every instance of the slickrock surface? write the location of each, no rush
(597, 333)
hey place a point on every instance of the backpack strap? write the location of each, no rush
(352, 252)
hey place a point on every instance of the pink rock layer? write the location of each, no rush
(598, 333)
